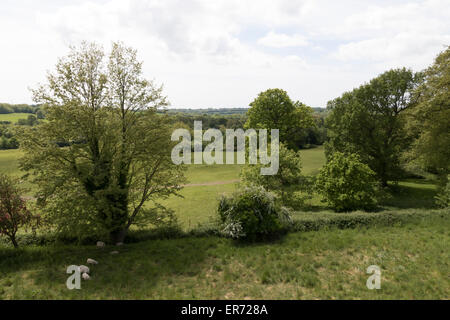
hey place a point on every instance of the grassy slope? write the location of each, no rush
(326, 264)
(323, 264)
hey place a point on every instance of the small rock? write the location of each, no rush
(85, 276)
(100, 244)
(83, 269)
(91, 261)
(114, 252)
(119, 244)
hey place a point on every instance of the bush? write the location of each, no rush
(347, 184)
(13, 210)
(443, 197)
(251, 214)
(314, 221)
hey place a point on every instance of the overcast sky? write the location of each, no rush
(214, 53)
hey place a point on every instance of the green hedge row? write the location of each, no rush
(320, 220)
(302, 222)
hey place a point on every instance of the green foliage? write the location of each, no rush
(17, 108)
(369, 121)
(429, 119)
(252, 214)
(13, 209)
(31, 120)
(101, 159)
(347, 184)
(284, 184)
(314, 221)
(273, 109)
(443, 197)
(7, 139)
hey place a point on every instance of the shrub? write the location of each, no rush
(347, 184)
(314, 221)
(443, 198)
(283, 184)
(251, 214)
(13, 210)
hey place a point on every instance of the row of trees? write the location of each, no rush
(102, 161)
(376, 133)
(18, 108)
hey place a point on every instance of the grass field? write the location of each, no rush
(13, 117)
(206, 183)
(326, 264)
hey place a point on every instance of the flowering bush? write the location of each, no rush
(13, 211)
(252, 214)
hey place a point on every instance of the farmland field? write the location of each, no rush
(14, 117)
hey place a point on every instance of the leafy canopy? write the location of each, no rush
(347, 184)
(273, 109)
(102, 158)
(369, 121)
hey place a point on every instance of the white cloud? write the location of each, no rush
(281, 40)
(205, 53)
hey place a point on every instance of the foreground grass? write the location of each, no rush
(326, 264)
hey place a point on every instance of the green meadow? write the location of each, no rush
(205, 184)
(13, 117)
(329, 263)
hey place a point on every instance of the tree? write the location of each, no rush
(347, 184)
(369, 121)
(429, 119)
(273, 109)
(13, 210)
(285, 182)
(116, 160)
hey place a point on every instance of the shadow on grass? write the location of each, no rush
(136, 269)
(411, 194)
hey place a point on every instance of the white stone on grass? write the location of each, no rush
(85, 276)
(114, 252)
(100, 244)
(119, 244)
(91, 261)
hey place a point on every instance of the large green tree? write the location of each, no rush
(103, 155)
(429, 120)
(273, 109)
(369, 121)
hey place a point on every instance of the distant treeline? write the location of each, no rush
(222, 119)
(18, 108)
(233, 118)
(210, 111)
(222, 111)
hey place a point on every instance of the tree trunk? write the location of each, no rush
(14, 242)
(118, 235)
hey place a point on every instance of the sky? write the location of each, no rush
(222, 53)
